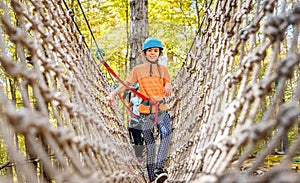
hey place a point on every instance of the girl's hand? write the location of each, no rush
(168, 89)
(111, 98)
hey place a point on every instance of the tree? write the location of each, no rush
(138, 29)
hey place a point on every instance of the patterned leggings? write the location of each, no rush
(165, 130)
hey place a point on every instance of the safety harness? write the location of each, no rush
(99, 55)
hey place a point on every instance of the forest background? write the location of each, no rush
(174, 22)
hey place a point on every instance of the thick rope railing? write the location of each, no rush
(235, 99)
(241, 53)
(56, 104)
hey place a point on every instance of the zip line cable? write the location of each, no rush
(93, 37)
(100, 57)
(71, 14)
(87, 22)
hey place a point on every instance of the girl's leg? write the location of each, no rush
(147, 130)
(165, 130)
(140, 145)
(137, 138)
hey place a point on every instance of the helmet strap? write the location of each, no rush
(152, 63)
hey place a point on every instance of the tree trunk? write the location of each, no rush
(138, 30)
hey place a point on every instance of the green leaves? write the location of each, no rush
(174, 22)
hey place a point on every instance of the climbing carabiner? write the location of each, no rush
(101, 56)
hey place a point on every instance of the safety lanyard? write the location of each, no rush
(102, 60)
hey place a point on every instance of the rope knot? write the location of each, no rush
(295, 16)
(275, 27)
(285, 67)
(288, 115)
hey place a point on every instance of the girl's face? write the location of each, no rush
(152, 54)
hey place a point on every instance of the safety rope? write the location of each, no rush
(100, 52)
(100, 56)
(140, 95)
(71, 13)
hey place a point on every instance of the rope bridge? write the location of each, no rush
(235, 101)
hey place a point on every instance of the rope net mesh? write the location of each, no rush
(235, 101)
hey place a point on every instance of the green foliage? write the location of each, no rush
(174, 22)
(3, 150)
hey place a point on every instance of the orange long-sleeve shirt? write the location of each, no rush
(150, 86)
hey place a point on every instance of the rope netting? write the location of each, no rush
(237, 96)
(235, 101)
(56, 105)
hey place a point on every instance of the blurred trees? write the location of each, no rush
(174, 22)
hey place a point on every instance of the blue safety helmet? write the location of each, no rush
(152, 42)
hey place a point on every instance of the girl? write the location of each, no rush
(155, 84)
